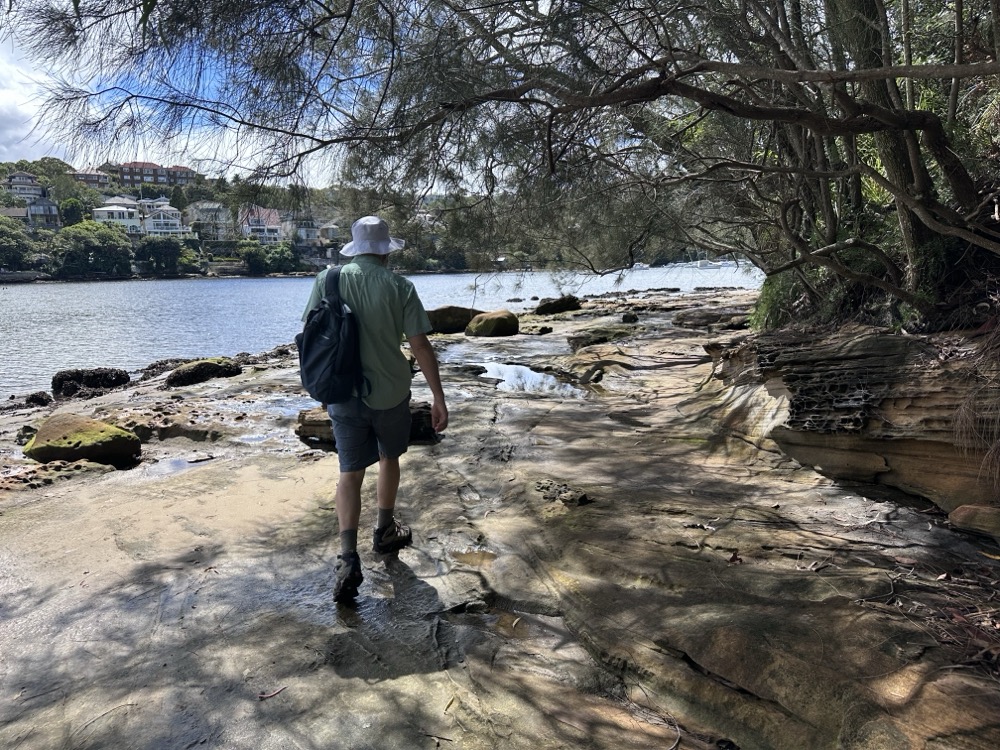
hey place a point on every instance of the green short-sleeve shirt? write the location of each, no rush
(387, 309)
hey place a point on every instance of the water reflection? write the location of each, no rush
(520, 378)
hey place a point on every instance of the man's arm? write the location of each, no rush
(424, 354)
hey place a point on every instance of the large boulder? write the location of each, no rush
(87, 383)
(451, 318)
(549, 306)
(497, 323)
(203, 369)
(72, 437)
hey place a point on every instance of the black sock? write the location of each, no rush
(348, 541)
(384, 518)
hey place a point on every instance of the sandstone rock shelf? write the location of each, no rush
(711, 592)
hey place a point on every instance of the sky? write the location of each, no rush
(23, 134)
(20, 98)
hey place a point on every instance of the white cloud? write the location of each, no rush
(20, 99)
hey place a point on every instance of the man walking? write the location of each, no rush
(375, 426)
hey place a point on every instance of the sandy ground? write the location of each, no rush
(593, 567)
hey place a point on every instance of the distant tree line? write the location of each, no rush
(443, 233)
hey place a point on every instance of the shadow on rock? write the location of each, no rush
(389, 637)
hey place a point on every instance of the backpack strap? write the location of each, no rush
(332, 289)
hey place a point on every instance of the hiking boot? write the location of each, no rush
(392, 538)
(348, 577)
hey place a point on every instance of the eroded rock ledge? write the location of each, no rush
(919, 413)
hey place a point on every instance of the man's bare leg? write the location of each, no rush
(388, 482)
(348, 501)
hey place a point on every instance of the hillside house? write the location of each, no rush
(160, 219)
(262, 224)
(121, 213)
(23, 185)
(92, 178)
(304, 233)
(18, 214)
(135, 173)
(43, 214)
(210, 219)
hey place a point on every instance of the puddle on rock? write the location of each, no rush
(478, 558)
(170, 466)
(519, 378)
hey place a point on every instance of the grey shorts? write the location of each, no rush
(363, 434)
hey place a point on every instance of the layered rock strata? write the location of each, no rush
(919, 413)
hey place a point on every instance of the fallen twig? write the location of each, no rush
(265, 696)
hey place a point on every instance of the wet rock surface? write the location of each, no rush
(711, 592)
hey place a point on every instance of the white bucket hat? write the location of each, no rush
(370, 235)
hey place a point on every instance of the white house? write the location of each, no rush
(154, 217)
(304, 233)
(164, 223)
(160, 219)
(122, 214)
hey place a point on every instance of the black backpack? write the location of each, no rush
(329, 348)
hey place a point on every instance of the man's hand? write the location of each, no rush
(439, 416)
(424, 354)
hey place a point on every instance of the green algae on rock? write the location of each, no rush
(72, 437)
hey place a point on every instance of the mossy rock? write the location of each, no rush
(71, 437)
(496, 323)
(203, 369)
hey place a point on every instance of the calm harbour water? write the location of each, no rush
(49, 327)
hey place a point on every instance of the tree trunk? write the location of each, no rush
(955, 82)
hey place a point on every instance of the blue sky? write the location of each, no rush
(23, 136)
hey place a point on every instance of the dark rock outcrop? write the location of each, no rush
(88, 383)
(38, 398)
(497, 323)
(203, 369)
(72, 437)
(549, 306)
(451, 318)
